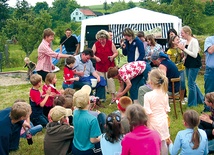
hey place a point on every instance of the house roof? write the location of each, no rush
(87, 12)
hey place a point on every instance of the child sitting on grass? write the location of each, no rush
(59, 134)
(191, 140)
(37, 102)
(207, 121)
(50, 82)
(68, 75)
(87, 130)
(122, 104)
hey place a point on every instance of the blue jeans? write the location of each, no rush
(100, 88)
(64, 86)
(33, 130)
(41, 119)
(194, 94)
(182, 81)
(208, 83)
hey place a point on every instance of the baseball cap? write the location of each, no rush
(156, 55)
(81, 97)
(58, 112)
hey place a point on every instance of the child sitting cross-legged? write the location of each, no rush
(37, 102)
(59, 134)
(87, 130)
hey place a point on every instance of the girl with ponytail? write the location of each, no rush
(156, 105)
(191, 140)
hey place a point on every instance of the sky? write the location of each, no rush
(12, 3)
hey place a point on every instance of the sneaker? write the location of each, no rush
(183, 102)
(102, 100)
(185, 99)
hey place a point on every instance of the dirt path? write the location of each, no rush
(8, 81)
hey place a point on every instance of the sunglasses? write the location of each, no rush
(111, 118)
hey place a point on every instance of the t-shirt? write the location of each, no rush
(86, 126)
(131, 70)
(68, 74)
(109, 148)
(70, 43)
(176, 57)
(35, 100)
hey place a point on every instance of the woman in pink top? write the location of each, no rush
(45, 54)
(156, 105)
(141, 140)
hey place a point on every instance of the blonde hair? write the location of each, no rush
(191, 117)
(48, 32)
(49, 78)
(69, 91)
(158, 79)
(20, 109)
(128, 32)
(136, 115)
(187, 30)
(26, 59)
(35, 79)
(102, 34)
(125, 101)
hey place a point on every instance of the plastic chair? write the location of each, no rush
(176, 96)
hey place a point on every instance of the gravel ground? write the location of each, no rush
(8, 81)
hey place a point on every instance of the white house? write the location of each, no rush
(79, 14)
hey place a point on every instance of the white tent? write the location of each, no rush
(136, 18)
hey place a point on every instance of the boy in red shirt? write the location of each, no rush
(68, 75)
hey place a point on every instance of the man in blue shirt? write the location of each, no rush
(209, 72)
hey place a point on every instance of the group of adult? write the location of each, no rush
(183, 54)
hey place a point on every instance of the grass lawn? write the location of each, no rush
(9, 94)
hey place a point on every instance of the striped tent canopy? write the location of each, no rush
(136, 18)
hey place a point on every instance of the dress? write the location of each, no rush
(182, 142)
(9, 133)
(70, 44)
(141, 141)
(193, 64)
(103, 52)
(134, 51)
(86, 126)
(105, 145)
(137, 73)
(88, 69)
(156, 105)
(67, 74)
(157, 48)
(58, 138)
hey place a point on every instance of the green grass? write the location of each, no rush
(10, 93)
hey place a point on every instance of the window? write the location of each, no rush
(74, 18)
(77, 13)
(79, 18)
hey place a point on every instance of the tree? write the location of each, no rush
(62, 10)
(29, 29)
(191, 13)
(119, 6)
(131, 4)
(209, 8)
(105, 6)
(40, 6)
(22, 8)
(4, 13)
